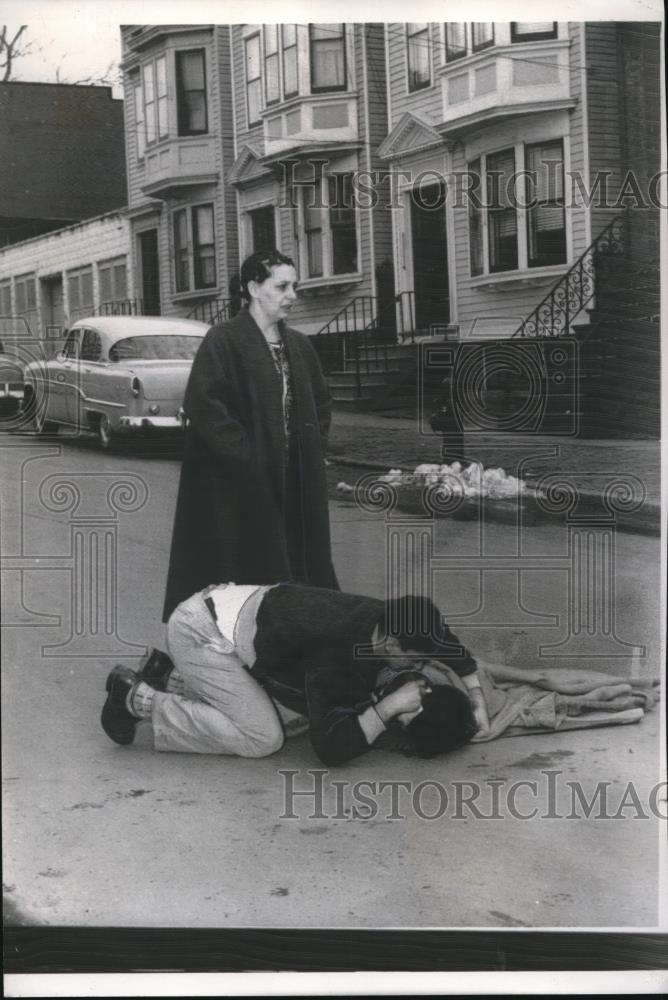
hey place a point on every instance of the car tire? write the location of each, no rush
(105, 434)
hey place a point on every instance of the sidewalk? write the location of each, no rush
(370, 441)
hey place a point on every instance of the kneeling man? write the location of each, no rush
(340, 659)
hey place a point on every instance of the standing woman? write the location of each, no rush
(252, 504)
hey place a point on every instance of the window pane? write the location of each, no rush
(418, 56)
(120, 281)
(270, 39)
(483, 34)
(254, 102)
(191, 70)
(521, 30)
(161, 76)
(342, 224)
(271, 78)
(105, 275)
(149, 103)
(546, 225)
(289, 32)
(328, 57)
(203, 238)
(312, 195)
(502, 212)
(475, 219)
(191, 92)
(87, 288)
(253, 82)
(181, 268)
(290, 83)
(139, 120)
(149, 89)
(455, 40)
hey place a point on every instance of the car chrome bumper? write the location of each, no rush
(150, 423)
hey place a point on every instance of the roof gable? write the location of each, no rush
(247, 167)
(409, 135)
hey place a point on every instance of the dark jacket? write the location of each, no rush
(305, 645)
(236, 484)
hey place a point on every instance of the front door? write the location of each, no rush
(430, 257)
(263, 228)
(149, 268)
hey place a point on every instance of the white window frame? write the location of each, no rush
(259, 80)
(521, 214)
(111, 264)
(28, 280)
(189, 210)
(326, 231)
(156, 111)
(425, 86)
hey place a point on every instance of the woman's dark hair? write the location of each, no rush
(258, 267)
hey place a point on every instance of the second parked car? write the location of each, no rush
(116, 375)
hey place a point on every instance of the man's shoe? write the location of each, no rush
(156, 670)
(118, 723)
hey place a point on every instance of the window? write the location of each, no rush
(289, 49)
(80, 290)
(455, 41)
(502, 212)
(91, 346)
(417, 42)
(140, 121)
(112, 276)
(342, 224)
(528, 180)
(24, 289)
(330, 226)
(546, 223)
(6, 298)
(262, 228)
(191, 92)
(536, 31)
(313, 214)
(253, 80)
(194, 248)
(327, 43)
(475, 219)
(482, 35)
(155, 99)
(71, 348)
(272, 89)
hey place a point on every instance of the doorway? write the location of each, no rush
(149, 269)
(430, 257)
(263, 228)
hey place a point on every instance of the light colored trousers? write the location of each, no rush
(222, 709)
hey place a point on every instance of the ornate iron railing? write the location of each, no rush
(213, 311)
(120, 307)
(554, 315)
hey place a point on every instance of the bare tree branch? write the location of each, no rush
(10, 50)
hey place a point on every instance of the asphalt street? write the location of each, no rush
(101, 835)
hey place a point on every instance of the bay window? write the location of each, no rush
(516, 212)
(253, 80)
(327, 46)
(417, 54)
(194, 248)
(191, 92)
(329, 226)
(455, 40)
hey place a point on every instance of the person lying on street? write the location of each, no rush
(346, 662)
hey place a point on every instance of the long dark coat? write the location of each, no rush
(245, 513)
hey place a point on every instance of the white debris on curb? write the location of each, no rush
(473, 481)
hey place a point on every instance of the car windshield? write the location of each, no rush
(164, 347)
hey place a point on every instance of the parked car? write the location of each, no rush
(116, 375)
(11, 384)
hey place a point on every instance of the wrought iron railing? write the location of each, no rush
(554, 315)
(120, 307)
(213, 311)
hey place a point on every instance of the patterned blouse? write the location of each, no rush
(279, 354)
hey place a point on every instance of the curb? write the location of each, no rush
(646, 520)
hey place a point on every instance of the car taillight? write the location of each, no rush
(135, 386)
